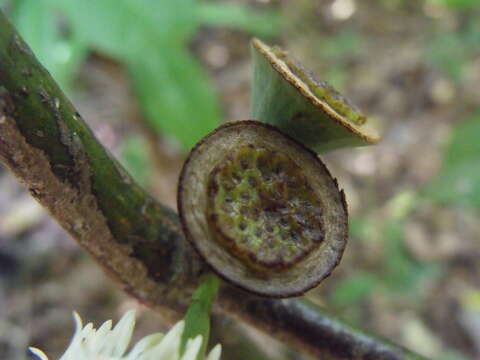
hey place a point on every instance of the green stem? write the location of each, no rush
(309, 110)
(197, 320)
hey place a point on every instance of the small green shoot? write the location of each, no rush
(197, 320)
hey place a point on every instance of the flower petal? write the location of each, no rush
(192, 348)
(169, 346)
(215, 353)
(144, 345)
(119, 337)
(97, 341)
(38, 353)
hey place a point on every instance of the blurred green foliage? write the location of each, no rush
(402, 274)
(134, 156)
(459, 180)
(239, 17)
(337, 52)
(451, 51)
(452, 48)
(59, 52)
(451, 355)
(344, 45)
(151, 39)
(458, 4)
(398, 276)
(353, 289)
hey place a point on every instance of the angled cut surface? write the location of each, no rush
(286, 95)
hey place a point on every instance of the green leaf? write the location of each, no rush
(37, 25)
(197, 320)
(459, 180)
(239, 17)
(353, 289)
(127, 28)
(175, 94)
(150, 37)
(61, 55)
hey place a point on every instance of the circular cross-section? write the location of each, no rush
(262, 210)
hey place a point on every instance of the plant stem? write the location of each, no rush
(138, 241)
(197, 320)
(302, 324)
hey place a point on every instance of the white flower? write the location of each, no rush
(106, 343)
